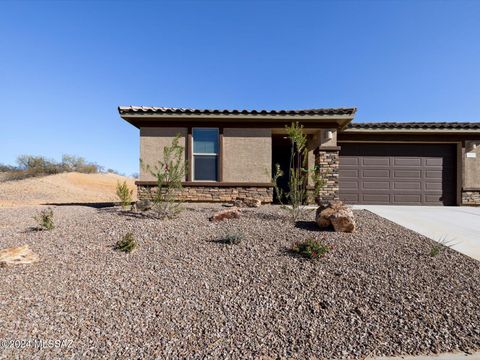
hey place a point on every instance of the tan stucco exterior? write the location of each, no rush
(247, 155)
(472, 165)
(152, 142)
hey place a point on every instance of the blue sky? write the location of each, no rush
(66, 66)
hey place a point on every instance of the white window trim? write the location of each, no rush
(205, 154)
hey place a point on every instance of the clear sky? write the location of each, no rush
(66, 66)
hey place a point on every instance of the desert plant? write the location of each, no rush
(310, 248)
(298, 173)
(45, 219)
(126, 244)
(169, 174)
(124, 194)
(440, 245)
(233, 238)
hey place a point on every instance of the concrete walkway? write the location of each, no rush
(459, 226)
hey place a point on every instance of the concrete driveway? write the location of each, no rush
(458, 225)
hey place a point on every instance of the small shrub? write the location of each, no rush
(440, 246)
(310, 248)
(169, 174)
(45, 219)
(124, 194)
(233, 238)
(126, 244)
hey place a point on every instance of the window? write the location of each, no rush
(205, 154)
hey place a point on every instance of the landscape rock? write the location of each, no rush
(343, 220)
(144, 205)
(233, 213)
(335, 214)
(17, 255)
(247, 203)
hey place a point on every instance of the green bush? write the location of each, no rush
(440, 245)
(45, 219)
(124, 194)
(32, 166)
(310, 248)
(126, 244)
(233, 238)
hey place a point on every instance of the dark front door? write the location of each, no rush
(401, 174)
(281, 151)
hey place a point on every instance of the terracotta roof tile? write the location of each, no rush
(129, 110)
(415, 126)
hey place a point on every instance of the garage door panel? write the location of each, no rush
(375, 198)
(351, 198)
(434, 162)
(407, 199)
(349, 185)
(348, 160)
(431, 186)
(348, 173)
(407, 174)
(407, 185)
(400, 161)
(376, 173)
(375, 161)
(433, 174)
(376, 185)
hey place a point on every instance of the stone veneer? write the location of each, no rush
(327, 161)
(214, 193)
(471, 197)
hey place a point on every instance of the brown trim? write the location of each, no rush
(220, 154)
(470, 189)
(233, 124)
(407, 138)
(189, 154)
(209, 183)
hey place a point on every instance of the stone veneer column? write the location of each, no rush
(327, 160)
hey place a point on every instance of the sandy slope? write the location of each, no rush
(61, 188)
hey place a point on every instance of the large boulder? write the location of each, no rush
(335, 214)
(247, 202)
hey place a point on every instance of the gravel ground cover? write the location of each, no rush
(184, 294)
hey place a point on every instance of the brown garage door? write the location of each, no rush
(402, 174)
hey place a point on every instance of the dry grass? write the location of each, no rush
(62, 188)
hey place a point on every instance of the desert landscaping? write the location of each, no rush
(185, 292)
(71, 187)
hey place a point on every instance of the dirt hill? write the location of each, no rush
(62, 188)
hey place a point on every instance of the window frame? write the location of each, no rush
(217, 154)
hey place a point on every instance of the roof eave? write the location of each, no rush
(134, 119)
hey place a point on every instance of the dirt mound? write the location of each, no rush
(62, 188)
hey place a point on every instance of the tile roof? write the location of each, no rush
(130, 110)
(415, 126)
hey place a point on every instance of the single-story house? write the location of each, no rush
(231, 154)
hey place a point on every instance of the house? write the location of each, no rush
(231, 154)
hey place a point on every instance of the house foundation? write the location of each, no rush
(212, 193)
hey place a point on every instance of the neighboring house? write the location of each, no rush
(231, 154)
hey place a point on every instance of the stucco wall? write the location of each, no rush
(247, 155)
(472, 165)
(152, 142)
